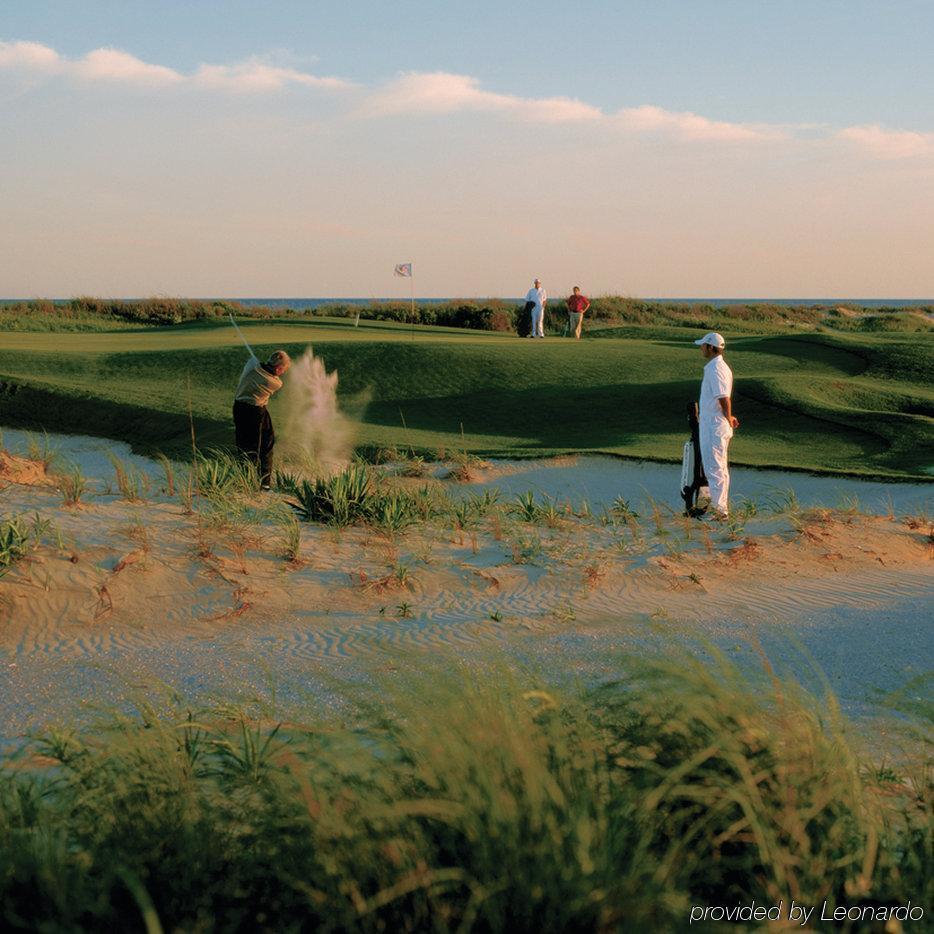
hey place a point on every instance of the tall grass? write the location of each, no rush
(131, 482)
(168, 472)
(291, 537)
(72, 484)
(458, 802)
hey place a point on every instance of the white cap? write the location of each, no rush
(714, 339)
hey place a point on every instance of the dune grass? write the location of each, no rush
(458, 801)
(20, 536)
(825, 401)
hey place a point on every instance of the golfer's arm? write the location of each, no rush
(727, 406)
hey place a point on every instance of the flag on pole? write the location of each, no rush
(404, 270)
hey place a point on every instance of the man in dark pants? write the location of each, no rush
(252, 424)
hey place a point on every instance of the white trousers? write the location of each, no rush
(538, 321)
(714, 443)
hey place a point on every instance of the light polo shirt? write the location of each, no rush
(256, 384)
(717, 384)
(538, 296)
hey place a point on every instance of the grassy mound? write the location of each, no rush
(823, 401)
(493, 804)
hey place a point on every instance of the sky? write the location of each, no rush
(666, 148)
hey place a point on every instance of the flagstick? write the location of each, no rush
(412, 283)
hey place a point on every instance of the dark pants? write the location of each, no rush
(255, 437)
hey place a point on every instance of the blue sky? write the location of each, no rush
(285, 148)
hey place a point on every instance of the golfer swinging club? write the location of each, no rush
(716, 421)
(252, 424)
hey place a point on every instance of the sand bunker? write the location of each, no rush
(212, 599)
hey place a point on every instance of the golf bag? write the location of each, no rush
(694, 490)
(524, 320)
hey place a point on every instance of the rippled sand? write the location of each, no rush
(135, 593)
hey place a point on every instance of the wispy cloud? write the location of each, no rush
(121, 68)
(889, 144)
(256, 75)
(115, 66)
(440, 92)
(690, 126)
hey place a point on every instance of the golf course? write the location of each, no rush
(467, 468)
(823, 400)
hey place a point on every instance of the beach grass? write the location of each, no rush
(821, 400)
(459, 799)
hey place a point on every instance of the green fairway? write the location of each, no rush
(852, 403)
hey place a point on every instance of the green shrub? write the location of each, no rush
(352, 497)
(341, 499)
(15, 542)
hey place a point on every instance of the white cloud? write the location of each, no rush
(436, 93)
(256, 75)
(122, 68)
(115, 66)
(889, 144)
(691, 126)
(30, 56)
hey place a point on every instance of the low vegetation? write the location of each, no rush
(458, 802)
(488, 314)
(20, 536)
(352, 497)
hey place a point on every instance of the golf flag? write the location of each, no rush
(404, 270)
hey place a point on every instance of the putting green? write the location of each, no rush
(858, 404)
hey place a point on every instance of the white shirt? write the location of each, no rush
(717, 384)
(538, 296)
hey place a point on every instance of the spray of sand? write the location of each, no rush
(316, 437)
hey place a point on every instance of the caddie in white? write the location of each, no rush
(716, 421)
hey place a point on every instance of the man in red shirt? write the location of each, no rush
(577, 308)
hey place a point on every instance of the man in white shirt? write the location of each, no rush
(537, 296)
(716, 421)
